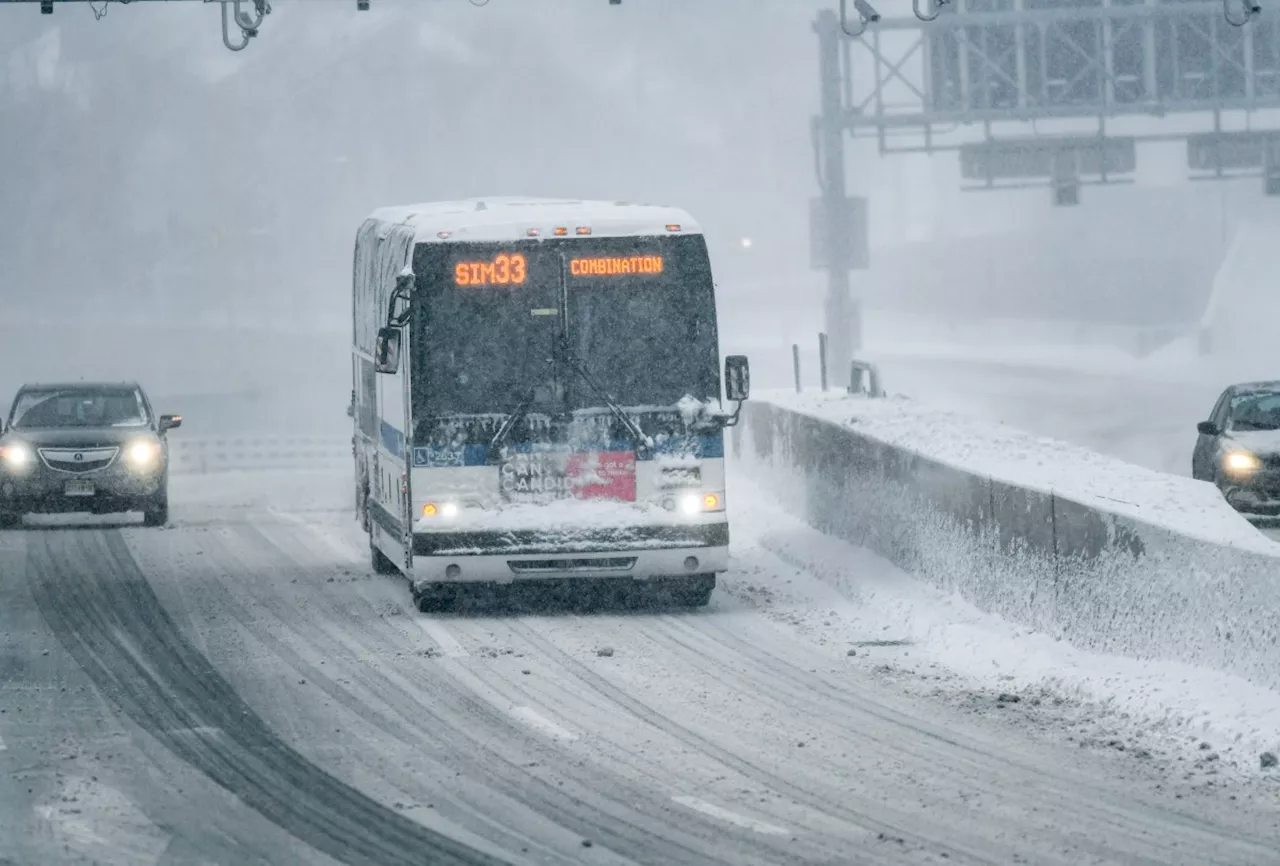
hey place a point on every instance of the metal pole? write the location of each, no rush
(822, 359)
(795, 363)
(843, 316)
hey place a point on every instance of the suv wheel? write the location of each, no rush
(155, 511)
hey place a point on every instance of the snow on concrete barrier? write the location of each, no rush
(197, 455)
(1107, 555)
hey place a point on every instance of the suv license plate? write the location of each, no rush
(80, 488)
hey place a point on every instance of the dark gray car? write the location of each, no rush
(84, 447)
(1239, 447)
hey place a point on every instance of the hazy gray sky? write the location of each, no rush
(197, 180)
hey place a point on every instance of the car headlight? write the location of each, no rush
(16, 456)
(142, 454)
(1241, 461)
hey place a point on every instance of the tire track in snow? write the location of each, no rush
(968, 850)
(1163, 831)
(480, 631)
(167, 685)
(483, 742)
(733, 818)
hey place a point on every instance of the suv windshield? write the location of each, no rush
(67, 407)
(1256, 411)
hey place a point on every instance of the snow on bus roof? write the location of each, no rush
(508, 218)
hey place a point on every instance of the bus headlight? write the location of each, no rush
(16, 456)
(447, 510)
(142, 455)
(691, 504)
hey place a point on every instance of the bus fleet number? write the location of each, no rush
(503, 270)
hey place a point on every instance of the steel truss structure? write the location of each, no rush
(1039, 59)
(1051, 93)
(240, 18)
(1013, 63)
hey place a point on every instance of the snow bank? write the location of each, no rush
(1107, 555)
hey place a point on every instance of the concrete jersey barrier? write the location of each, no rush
(1108, 556)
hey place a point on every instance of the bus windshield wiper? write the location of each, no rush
(522, 409)
(643, 442)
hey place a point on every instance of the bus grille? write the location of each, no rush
(548, 566)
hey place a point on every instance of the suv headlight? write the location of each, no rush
(16, 456)
(1242, 461)
(142, 455)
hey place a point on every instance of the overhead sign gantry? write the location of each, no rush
(1046, 93)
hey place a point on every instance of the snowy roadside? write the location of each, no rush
(1190, 508)
(846, 598)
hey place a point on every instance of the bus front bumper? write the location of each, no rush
(636, 553)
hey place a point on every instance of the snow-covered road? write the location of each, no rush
(241, 688)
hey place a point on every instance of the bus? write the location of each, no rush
(537, 397)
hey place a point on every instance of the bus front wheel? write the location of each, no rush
(697, 592)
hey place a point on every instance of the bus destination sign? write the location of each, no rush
(502, 270)
(615, 266)
(512, 269)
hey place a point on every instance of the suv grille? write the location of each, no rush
(78, 460)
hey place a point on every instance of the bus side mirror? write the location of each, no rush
(387, 353)
(737, 378)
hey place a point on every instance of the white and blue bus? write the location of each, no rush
(537, 396)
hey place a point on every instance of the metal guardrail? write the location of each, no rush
(864, 376)
(201, 455)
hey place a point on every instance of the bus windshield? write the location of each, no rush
(638, 314)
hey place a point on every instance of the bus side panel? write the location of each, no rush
(382, 251)
(388, 513)
(365, 422)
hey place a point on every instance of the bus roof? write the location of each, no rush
(509, 218)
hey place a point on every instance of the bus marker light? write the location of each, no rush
(533, 233)
(584, 230)
(673, 227)
(561, 231)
